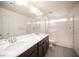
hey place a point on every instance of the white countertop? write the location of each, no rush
(23, 43)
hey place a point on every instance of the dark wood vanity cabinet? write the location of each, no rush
(38, 50)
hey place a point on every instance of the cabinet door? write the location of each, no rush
(44, 48)
(47, 43)
(40, 51)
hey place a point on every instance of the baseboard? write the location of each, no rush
(62, 44)
(65, 45)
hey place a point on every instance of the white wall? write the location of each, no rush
(13, 23)
(76, 28)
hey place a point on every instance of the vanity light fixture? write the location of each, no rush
(32, 8)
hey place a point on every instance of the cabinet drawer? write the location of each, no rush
(43, 40)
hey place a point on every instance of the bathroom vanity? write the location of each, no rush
(38, 50)
(31, 45)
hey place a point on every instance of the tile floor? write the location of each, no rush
(59, 51)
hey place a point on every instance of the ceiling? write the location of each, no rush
(56, 8)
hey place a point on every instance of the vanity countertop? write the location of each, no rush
(23, 44)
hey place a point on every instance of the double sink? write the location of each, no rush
(21, 44)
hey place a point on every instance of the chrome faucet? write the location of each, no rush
(11, 38)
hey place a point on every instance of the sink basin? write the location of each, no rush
(15, 46)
